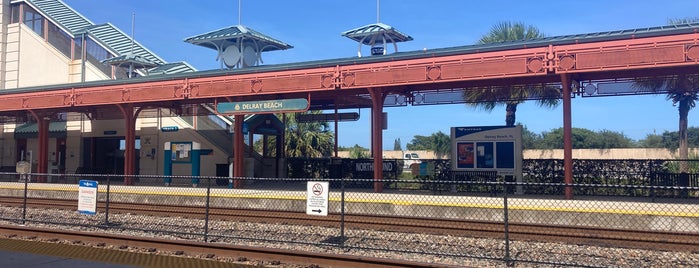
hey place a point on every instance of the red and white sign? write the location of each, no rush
(317, 198)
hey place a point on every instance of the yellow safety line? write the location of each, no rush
(386, 201)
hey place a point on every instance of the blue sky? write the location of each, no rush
(313, 27)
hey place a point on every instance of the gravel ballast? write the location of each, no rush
(437, 249)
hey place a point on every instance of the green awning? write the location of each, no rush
(31, 130)
(265, 124)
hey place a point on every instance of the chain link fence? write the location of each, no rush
(480, 216)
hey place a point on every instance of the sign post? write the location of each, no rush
(23, 168)
(87, 197)
(317, 198)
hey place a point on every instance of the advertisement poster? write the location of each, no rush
(465, 155)
(485, 157)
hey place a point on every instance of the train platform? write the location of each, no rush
(29, 260)
(38, 254)
(673, 215)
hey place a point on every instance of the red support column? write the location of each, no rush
(567, 137)
(238, 157)
(250, 141)
(336, 130)
(42, 167)
(377, 99)
(129, 143)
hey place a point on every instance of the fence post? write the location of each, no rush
(27, 177)
(342, 211)
(506, 220)
(106, 201)
(206, 218)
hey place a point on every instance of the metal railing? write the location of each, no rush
(461, 203)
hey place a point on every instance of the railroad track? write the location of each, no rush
(277, 257)
(527, 232)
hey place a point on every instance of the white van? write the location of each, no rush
(410, 159)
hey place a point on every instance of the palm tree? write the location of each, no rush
(682, 90)
(487, 98)
(441, 144)
(313, 139)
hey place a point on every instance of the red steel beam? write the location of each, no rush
(604, 56)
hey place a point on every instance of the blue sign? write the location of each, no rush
(87, 197)
(86, 183)
(463, 131)
(169, 129)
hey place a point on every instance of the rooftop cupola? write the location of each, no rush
(238, 46)
(377, 36)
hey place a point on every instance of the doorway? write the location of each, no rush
(105, 155)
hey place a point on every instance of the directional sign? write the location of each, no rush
(87, 197)
(303, 118)
(317, 198)
(170, 129)
(261, 107)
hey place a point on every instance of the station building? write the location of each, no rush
(46, 42)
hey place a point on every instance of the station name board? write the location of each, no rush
(261, 107)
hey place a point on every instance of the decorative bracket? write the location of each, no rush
(256, 86)
(71, 98)
(186, 88)
(433, 72)
(125, 95)
(333, 80)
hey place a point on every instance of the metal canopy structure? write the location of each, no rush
(238, 45)
(132, 61)
(421, 77)
(377, 36)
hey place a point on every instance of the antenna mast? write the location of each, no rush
(133, 23)
(378, 10)
(239, 11)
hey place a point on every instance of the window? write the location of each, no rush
(78, 48)
(15, 14)
(59, 39)
(96, 54)
(34, 20)
(96, 51)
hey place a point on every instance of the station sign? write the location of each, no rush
(87, 197)
(261, 107)
(368, 166)
(317, 198)
(487, 148)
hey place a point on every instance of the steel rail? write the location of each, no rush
(217, 249)
(648, 239)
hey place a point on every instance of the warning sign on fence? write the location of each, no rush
(317, 198)
(87, 197)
